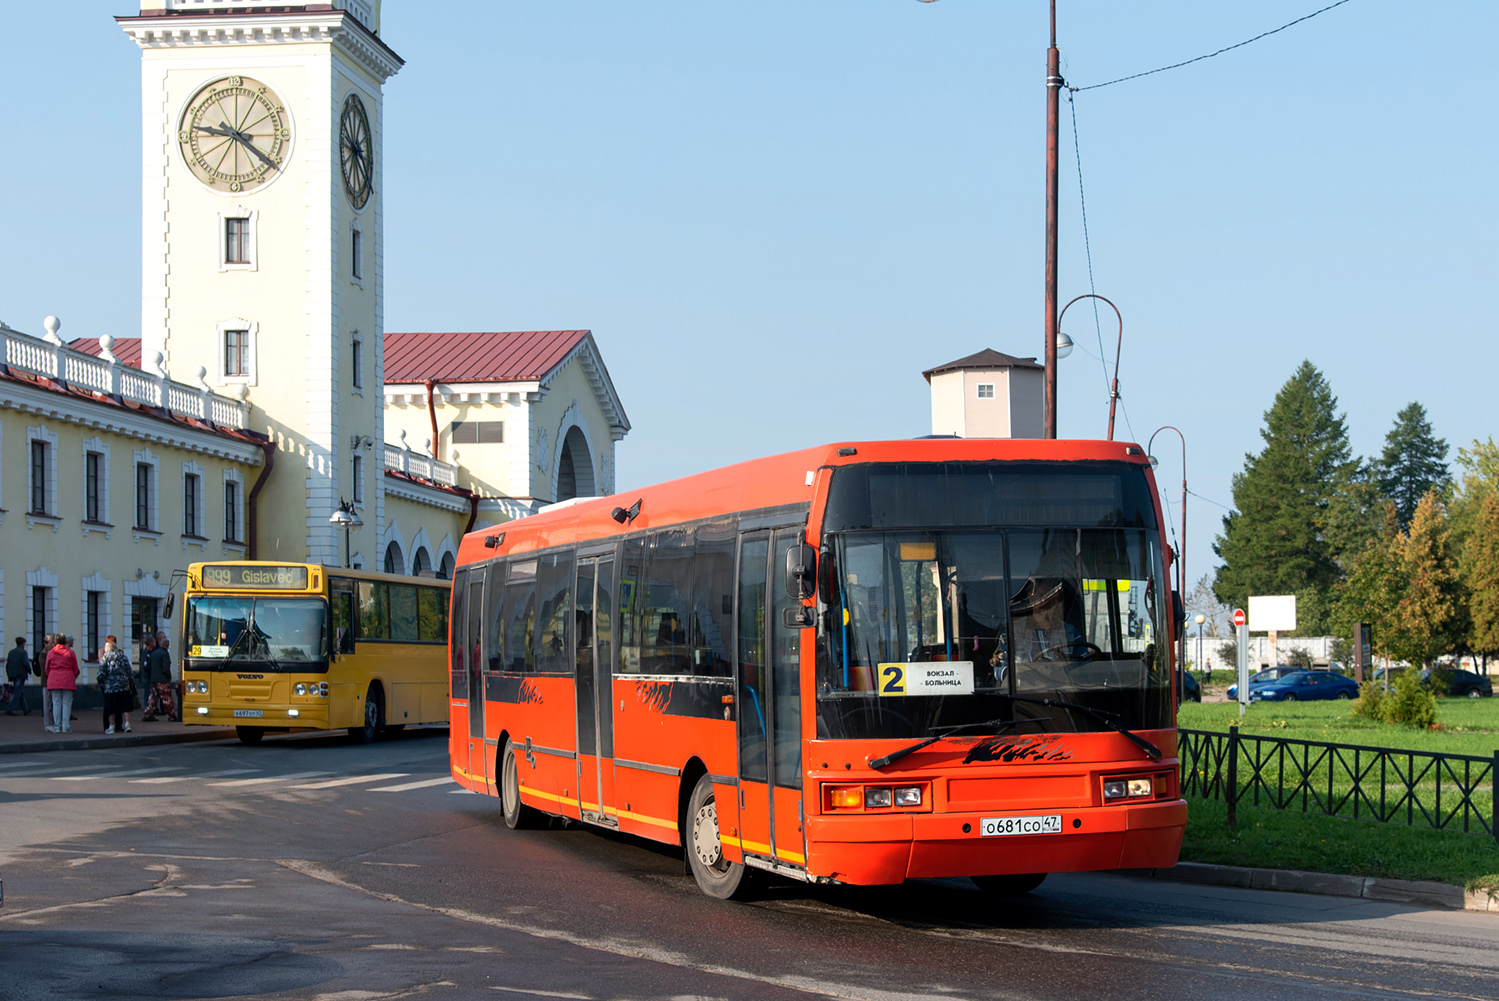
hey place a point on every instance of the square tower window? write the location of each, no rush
(236, 240)
(237, 352)
(356, 255)
(986, 390)
(356, 360)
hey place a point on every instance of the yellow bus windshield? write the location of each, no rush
(287, 634)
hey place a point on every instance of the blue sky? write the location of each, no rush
(774, 214)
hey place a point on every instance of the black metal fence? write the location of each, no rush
(1418, 788)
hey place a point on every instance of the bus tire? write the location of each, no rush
(716, 875)
(374, 719)
(249, 735)
(1009, 886)
(518, 816)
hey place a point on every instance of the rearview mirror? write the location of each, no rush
(166, 611)
(801, 572)
(1181, 610)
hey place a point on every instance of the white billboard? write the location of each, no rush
(1272, 613)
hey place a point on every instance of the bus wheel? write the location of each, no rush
(717, 876)
(249, 734)
(374, 718)
(1008, 886)
(518, 815)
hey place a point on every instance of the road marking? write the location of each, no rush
(273, 778)
(408, 786)
(463, 792)
(114, 775)
(353, 780)
(194, 775)
(541, 994)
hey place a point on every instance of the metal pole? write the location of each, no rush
(1053, 93)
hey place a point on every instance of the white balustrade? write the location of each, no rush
(29, 355)
(421, 466)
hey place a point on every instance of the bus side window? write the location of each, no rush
(494, 639)
(343, 620)
(432, 615)
(458, 677)
(632, 557)
(554, 613)
(519, 614)
(667, 600)
(403, 612)
(713, 599)
(374, 610)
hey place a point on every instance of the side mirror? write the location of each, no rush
(1181, 610)
(345, 639)
(166, 611)
(801, 572)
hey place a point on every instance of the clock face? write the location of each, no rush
(235, 134)
(356, 152)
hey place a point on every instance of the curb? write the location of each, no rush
(1399, 891)
(132, 739)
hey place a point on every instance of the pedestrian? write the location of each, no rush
(161, 683)
(148, 643)
(62, 682)
(115, 679)
(17, 670)
(39, 668)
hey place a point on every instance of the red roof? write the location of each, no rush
(127, 349)
(513, 356)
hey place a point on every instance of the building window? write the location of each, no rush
(93, 619)
(237, 353)
(231, 511)
(393, 561)
(92, 465)
(145, 494)
(237, 240)
(38, 617)
(190, 505)
(986, 390)
(478, 432)
(356, 360)
(358, 469)
(356, 258)
(39, 477)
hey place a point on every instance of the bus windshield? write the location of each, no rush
(273, 633)
(932, 617)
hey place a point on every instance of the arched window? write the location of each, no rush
(421, 563)
(574, 467)
(445, 570)
(393, 561)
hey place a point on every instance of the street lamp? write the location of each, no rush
(1181, 557)
(346, 516)
(1114, 388)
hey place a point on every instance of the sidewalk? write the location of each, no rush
(24, 734)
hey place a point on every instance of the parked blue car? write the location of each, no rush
(1268, 674)
(1301, 686)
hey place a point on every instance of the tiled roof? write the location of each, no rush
(127, 349)
(511, 356)
(987, 358)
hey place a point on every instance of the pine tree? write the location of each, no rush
(1414, 461)
(1427, 615)
(1480, 572)
(1272, 542)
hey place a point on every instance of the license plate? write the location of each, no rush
(998, 826)
(260, 713)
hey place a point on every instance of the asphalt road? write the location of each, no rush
(308, 868)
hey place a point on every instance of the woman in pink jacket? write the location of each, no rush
(62, 682)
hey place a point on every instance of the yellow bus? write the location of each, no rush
(301, 646)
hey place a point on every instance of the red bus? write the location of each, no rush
(859, 663)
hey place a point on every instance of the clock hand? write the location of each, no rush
(247, 144)
(213, 131)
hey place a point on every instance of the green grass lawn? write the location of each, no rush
(1469, 726)
(1282, 839)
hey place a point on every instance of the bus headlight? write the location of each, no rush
(844, 797)
(877, 797)
(1115, 789)
(202, 688)
(1141, 787)
(300, 688)
(908, 796)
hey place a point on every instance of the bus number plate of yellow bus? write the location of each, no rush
(998, 826)
(249, 713)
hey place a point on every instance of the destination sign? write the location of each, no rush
(270, 578)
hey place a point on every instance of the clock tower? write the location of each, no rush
(262, 243)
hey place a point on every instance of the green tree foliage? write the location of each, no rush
(1374, 586)
(1427, 617)
(1354, 513)
(1480, 575)
(1370, 702)
(1273, 541)
(1408, 704)
(1414, 462)
(1479, 478)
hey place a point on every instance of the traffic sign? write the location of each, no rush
(1239, 617)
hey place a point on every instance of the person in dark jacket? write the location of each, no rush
(161, 683)
(115, 680)
(17, 670)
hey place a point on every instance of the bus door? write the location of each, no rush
(593, 654)
(768, 699)
(458, 673)
(479, 764)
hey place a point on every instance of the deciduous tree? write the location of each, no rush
(1427, 613)
(1480, 575)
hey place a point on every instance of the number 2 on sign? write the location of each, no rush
(892, 679)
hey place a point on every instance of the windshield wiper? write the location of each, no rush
(1150, 749)
(945, 731)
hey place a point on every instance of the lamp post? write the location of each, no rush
(1114, 387)
(349, 519)
(1181, 557)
